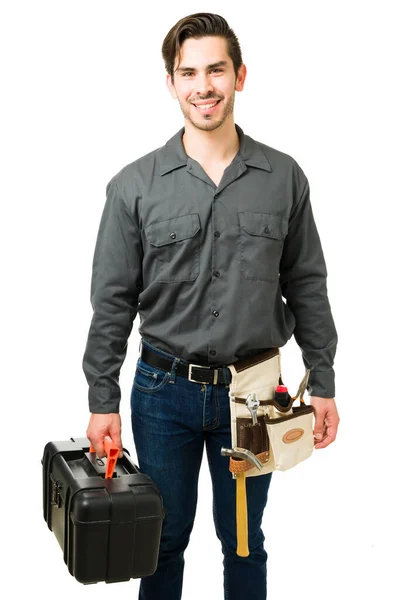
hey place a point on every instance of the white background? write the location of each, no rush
(83, 95)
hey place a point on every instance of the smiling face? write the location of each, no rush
(205, 82)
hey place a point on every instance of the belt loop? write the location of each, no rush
(173, 369)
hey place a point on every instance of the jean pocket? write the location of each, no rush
(261, 244)
(149, 379)
(291, 438)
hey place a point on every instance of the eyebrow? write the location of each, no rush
(221, 63)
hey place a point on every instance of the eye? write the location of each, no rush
(217, 70)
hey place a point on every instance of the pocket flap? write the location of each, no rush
(173, 230)
(264, 224)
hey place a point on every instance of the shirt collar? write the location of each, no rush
(174, 154)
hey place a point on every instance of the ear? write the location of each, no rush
(241, 78)
(171, 87)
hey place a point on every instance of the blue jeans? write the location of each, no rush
(172, 417)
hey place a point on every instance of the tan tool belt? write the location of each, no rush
(282, 436)
(265, 435)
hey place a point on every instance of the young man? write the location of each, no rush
(203, 237)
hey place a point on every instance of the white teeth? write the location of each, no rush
(206, 106)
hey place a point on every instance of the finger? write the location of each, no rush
(98, 446)
(330, 437)
(320, 436)
(319, 427)
(325, 442)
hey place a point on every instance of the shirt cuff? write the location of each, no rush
(322, 384)
(104, 400)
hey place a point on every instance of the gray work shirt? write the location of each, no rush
(207, 267)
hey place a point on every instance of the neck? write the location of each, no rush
(218, 145)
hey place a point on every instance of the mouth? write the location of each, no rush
(207, 108)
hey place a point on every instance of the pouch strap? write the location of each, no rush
(272, 402)
(245, 363)
(240, 400)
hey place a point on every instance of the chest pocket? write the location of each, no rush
(261, 243)
(176, 245)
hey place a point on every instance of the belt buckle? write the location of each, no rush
(215, 380)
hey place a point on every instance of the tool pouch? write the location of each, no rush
(283, 436)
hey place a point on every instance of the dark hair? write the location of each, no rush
(197, 26)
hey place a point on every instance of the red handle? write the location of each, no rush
(112, 451)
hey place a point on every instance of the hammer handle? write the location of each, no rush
(241, 515)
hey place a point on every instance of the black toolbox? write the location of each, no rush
(108, 528)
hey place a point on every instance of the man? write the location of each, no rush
(202, 237)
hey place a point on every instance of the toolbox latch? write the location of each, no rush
(56, 489)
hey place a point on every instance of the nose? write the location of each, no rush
(203, 85)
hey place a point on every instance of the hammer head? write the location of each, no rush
(243, 454)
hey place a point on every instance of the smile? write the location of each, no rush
(207, 107)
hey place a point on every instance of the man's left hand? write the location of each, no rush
(326, 421)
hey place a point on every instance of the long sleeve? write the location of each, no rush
(303, 277)
(115, 287)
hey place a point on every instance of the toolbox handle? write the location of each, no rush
(112, 451)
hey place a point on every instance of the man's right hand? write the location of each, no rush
(101, 425)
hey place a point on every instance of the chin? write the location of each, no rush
(211, 126)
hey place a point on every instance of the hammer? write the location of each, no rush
(241, 501)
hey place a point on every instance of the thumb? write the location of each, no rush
(319, 426)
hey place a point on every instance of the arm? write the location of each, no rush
(303, 277)
(115, 287)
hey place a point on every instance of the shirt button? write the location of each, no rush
(215, 313)
(216, 195)
(216, 273)
(216, 234)
(212, 352)
(266, 229)
(172, 235)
